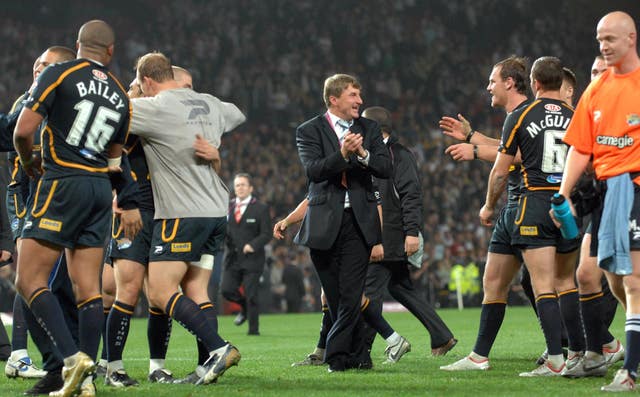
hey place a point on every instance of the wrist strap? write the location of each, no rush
(475, 152)
(469, 135)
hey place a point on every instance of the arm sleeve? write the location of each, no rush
(407, 182)
(143, 116)
(264, 237)
(125, 186)
(508, 141)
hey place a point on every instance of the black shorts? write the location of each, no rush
(533, 227)
(136, 250)
(186, 239)
(69, 212)
(502, 233)
(16, 209)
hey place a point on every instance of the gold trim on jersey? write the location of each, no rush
(47, 201)
(67, 164)
(512, 134)
(56, 83)
(173, 232)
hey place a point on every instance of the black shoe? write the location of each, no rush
(52, 381)
(192, 378)
(120, 378)
(161, 375)
(256, 333)
(240, 319)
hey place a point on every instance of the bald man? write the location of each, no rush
(87, 119)
(606, 126)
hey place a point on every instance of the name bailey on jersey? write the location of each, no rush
(103, 90)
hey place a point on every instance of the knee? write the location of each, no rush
(128, 293)
(588, 279)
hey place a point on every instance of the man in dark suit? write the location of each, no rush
(340, 152)
(248, 231)
(402, 218)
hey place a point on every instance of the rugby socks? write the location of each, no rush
(189, 315)
(325, 327)
(632, 353)
(570, 310)
(210, 313)
(90, 319)
(103, 354)
(372, 314)
(47, 311)
(550, 321)
(19, 329)
(158, 334)
(491, 317)
(590, 308)
(118, 324)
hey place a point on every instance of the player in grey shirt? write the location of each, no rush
(191, 201)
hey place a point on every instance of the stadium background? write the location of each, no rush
(421, 59)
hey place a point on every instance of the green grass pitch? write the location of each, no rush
(265, 369)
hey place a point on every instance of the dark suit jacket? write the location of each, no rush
(401, 201)
(254, 229)
(319, 151)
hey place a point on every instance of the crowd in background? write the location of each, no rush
(420, 59)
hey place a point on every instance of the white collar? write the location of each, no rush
(243, 202)
(334, 119)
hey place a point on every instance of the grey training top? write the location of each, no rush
(184, 186)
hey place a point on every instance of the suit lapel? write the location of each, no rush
(328, 130)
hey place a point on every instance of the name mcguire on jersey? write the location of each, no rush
(550, 120)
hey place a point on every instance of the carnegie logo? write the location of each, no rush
(617, 141)
(99, 74)
(552, 107)
(50, 224)
(180, 247)
(528, 230)
(633, 120)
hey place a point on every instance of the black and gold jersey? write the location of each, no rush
(537, 130)
(140, 172)
(86, 109)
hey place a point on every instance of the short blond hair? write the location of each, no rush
(156, 66)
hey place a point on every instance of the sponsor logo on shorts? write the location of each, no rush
(50, 224)
(528, 230)
(28, 225)
(181, 247)
(634, 229)
(158, 249)
(633, 119)
(15, 224)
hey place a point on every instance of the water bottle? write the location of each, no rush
(562, 212)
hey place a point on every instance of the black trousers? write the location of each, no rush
(342, 271)
(395, 277)
(232, 278)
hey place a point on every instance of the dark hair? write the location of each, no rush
(243, 175)
(547, 71)
(380, 115)
(516, 68)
